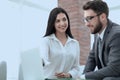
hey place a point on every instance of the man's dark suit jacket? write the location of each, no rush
(110, 55)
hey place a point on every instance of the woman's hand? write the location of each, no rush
(63, 75)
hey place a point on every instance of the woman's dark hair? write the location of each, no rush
(51, 22)
(97, 6)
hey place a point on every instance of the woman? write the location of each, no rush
(60, 52)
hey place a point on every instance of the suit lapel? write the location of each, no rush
(108, 28)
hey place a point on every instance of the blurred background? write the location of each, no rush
(23, 23)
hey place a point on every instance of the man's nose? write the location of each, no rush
(87, 23)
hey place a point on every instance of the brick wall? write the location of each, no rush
(79, 30)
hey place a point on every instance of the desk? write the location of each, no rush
(61, 79)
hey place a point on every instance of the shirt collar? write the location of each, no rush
(52, 36)
(102, 34)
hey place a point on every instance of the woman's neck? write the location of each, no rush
(61, 37)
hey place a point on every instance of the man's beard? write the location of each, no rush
(98, 27)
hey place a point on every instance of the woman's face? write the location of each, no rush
(61, 23)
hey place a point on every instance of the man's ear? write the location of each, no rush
(103, 16)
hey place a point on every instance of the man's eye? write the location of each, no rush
(89, 18)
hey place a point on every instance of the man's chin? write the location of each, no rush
(92, 32)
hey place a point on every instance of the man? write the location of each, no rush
(106, 55)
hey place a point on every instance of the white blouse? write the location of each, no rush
(59, 58)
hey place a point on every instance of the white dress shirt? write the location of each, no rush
(59, 58)
(102, 34)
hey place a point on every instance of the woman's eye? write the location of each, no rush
(57, 21)
(64, 19)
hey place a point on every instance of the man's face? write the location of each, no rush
(92, 20)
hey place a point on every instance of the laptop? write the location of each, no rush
(31, 63)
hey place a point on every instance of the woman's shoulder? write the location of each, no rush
(73, 40)
(44, 39)
(76, 41)
(47, 38)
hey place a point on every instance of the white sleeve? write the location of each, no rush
(44, 50)
(75, 71)
(82, 77)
